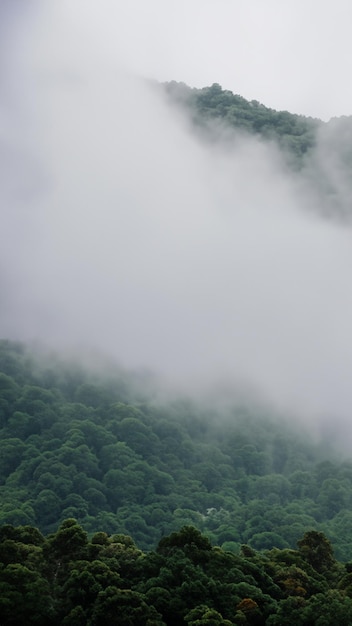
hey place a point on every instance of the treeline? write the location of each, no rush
(320, 153)
(97, 448)
(296, 134)
(69, 579)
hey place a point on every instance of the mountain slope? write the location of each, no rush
(75, 443)
(319, 152)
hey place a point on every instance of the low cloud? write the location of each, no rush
(123, 231)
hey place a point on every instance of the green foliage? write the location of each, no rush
(188, 539)
(148, 470)
(317, 550)
(295, 134)
(68, 579)
(204, 616)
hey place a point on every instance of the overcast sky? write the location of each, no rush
(122, 231)
(291, 54)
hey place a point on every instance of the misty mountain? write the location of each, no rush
(168, 238)
(100, 445)
(296, 134)
(320, 151)
(178, 231)
(175, 354)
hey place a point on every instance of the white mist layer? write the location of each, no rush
(122, 231)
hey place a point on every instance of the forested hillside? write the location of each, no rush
(296, 134)
(122, 503)
(175, 316)
(86, 444)
(320, 152)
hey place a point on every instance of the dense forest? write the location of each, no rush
(296, 134)
(70, 579)
(122, 504)
(97, 445)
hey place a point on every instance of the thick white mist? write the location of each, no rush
(122, 231)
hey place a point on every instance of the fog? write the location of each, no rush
(124, 232)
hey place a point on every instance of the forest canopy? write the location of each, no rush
(296, 134)
(95, 445)
(69, 578)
